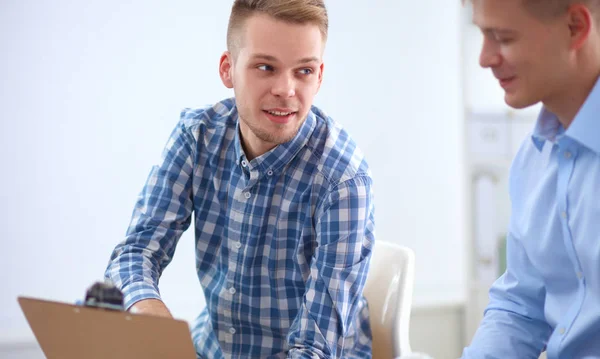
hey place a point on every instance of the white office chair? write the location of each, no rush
(389, 291)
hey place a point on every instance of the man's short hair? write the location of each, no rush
(552, 8)
(292, 11)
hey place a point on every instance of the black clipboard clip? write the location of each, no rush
(104, 295)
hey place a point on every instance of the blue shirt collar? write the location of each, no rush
(547, 128)
(584, 129)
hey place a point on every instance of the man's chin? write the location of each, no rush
(518, 102)
(276, 136)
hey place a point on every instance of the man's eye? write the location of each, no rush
(306, 71)
(265, 68)
(502, 39)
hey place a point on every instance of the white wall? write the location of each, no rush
(90, 91)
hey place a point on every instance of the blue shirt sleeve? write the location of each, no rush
(345, 235)
(514, 325)
(161, 215)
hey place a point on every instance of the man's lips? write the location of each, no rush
(505, 81)
(280, 115)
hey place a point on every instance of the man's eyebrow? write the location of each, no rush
(309, 59)
(499, 30)
(264, 57)
(504, 31)
(274, 59)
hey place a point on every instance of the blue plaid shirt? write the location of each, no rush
(283, 242)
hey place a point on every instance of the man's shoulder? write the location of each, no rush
(531, 153)
(338, 156)
(220, 114)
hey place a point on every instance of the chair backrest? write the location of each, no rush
(389, 290)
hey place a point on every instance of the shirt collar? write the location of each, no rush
(584, 129)
(237, 142)
(547, 128)
(281, 154)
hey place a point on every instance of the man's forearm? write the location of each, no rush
(151, 307)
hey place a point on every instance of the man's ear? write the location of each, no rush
(580, 21)
(226, 69)
(321, 68)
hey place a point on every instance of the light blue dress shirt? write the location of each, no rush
(549, 296)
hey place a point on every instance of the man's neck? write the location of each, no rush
(567, 102)
(252, 145)
(253, 150)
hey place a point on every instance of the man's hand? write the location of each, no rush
(151, 307)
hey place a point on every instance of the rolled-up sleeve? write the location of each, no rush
(162, 213)
(345, 236)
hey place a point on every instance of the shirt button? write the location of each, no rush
(579, 275)
(563, 214)
(269, 173)
(562, 331)
(232, 330)
(238, 245)
(232, 291)
(244, 163)
(247, 195)
(568, 155)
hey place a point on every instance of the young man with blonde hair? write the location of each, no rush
(280, 196)
(547, 51)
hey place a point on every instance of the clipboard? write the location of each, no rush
(67, 331)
